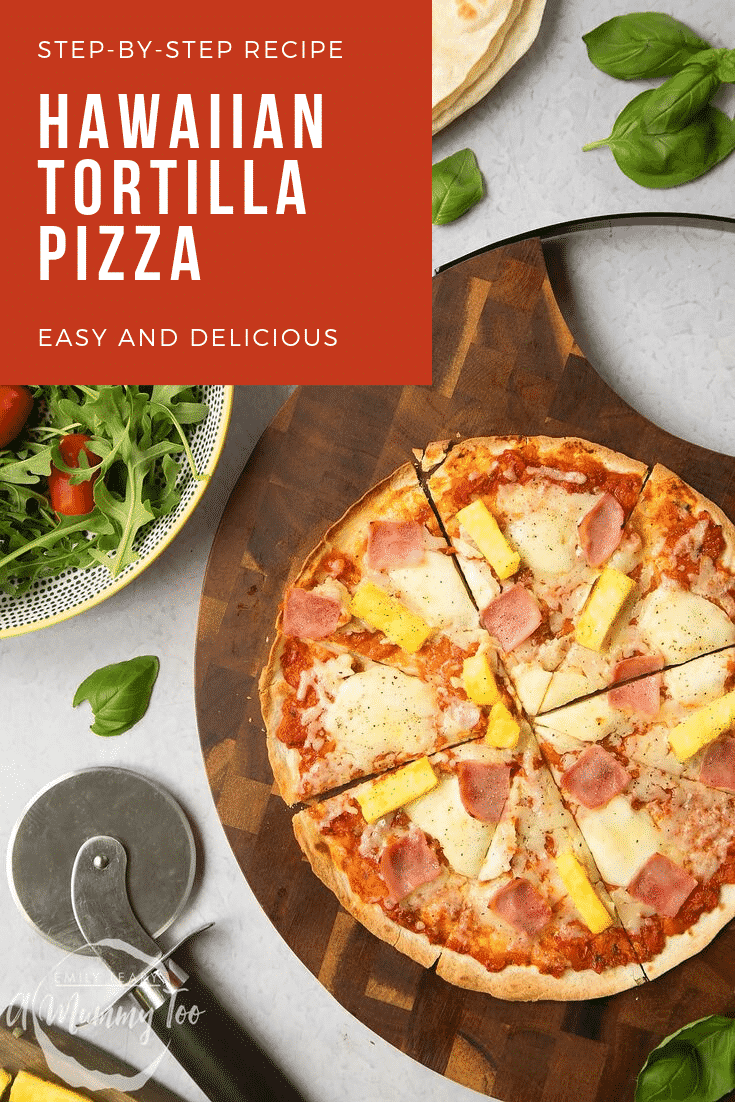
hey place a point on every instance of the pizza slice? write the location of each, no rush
(547, 926)
(664, 845)
(479, 871)
(396, 852)
(332, 716)
(383, 583)
(538, 527)
(679, 720)
(682, 604)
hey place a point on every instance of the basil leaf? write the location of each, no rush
(726, 66)
(678, 100)
(628, 121)
(456, 185)
(670, 159)
(119, 693)
(671, 1072)
(642, 44)
(696, 1064)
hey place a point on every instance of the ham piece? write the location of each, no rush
(595, 778)
(483, 788)
(601, 530)
(662, 885)
(408, 863)
(644, 695)
(309, 615)
(394, 543)
(512, 617)
(718, 766)
(519, 904)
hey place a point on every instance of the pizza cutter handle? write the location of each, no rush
(221, 1058)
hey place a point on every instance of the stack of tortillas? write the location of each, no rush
(474, 43)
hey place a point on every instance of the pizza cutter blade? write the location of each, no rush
(152, 827)
(101, 862)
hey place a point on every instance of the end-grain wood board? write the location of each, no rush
(20, 1051)
(504, 362)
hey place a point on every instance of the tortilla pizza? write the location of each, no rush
(502, 695)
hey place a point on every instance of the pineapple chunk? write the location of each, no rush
(5, 1078)
(401, 626)
(602, 608)
(502, 728)
(479, 680)
(592, 911)
(703, 726)
(29, 1088)
(482, 526)
(393, 790)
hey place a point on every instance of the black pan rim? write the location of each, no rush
(580, 225)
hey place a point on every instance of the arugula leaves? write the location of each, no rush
(139, 435)
(671, 134)
(456, 185)
(119, 693)
(695, 1064)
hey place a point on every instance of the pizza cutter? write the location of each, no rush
(101, 862)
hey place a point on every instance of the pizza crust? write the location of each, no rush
(397, 497)
(273, 690)
(663, 482)
(526, 983)
(515, 982)
(683, 946)
(571, 446)
(565, 449)
(370, 915)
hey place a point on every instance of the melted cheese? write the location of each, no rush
(457, 719)
(588, 720)
(544, 529)
(699, 681)
(681, 625)
(501, 851)
(651, 746)
(441, 814)
(325, 677)
(621, 839)
(567, 684)
(435, 591)
(531, 683)
(626, 557)
(378, 711)
(336, 591)
(481, 580)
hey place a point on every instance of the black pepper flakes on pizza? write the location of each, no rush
(502, 691)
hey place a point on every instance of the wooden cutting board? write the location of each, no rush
(504, 362)
(20, 1051)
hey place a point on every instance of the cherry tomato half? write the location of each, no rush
(72, 501)
(16, 402)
